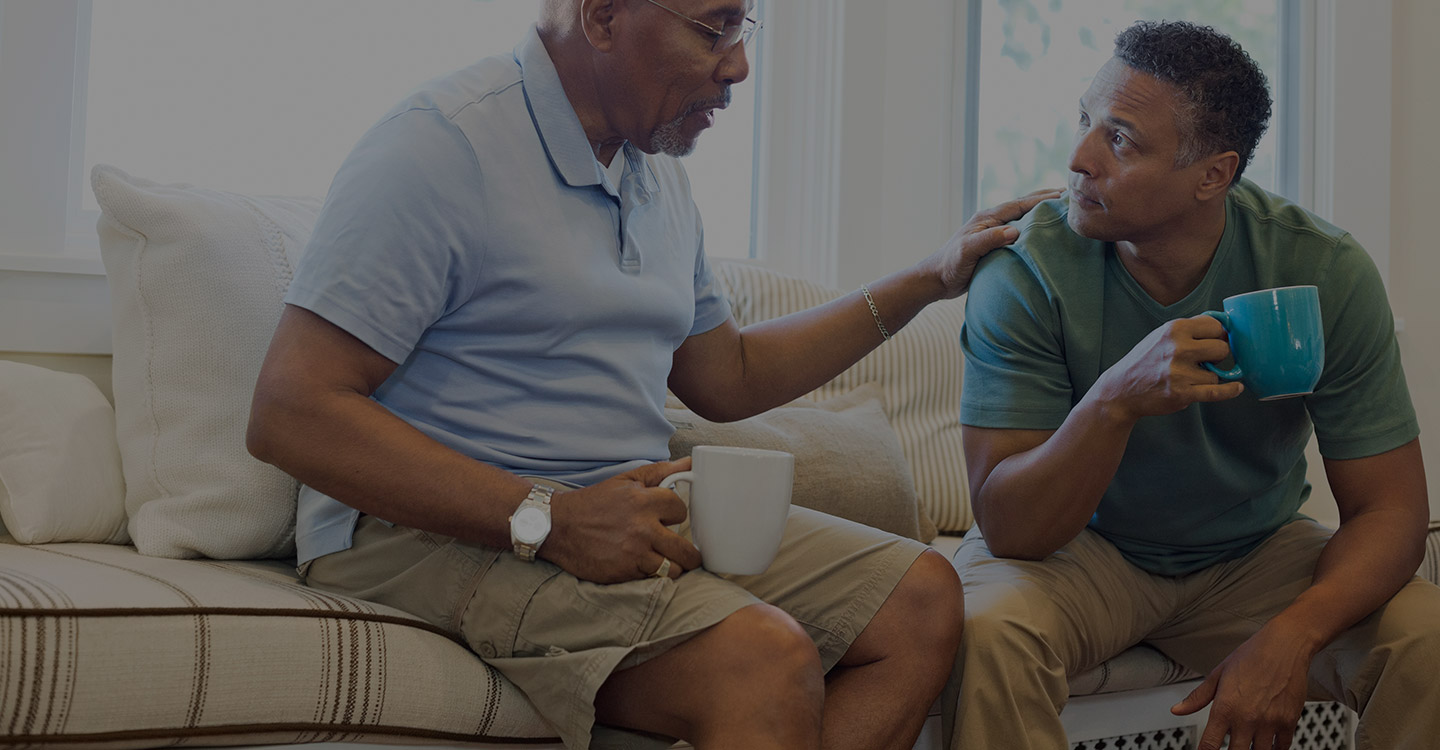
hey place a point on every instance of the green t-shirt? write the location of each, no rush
(1046, 316)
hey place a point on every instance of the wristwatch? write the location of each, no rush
(530, 523)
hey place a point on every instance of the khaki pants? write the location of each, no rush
(559, 638)
(1029, 624)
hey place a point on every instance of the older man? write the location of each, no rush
(1123, 493)
(506, 275)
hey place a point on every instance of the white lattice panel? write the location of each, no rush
(1323, 726)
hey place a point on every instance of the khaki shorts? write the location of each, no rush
(559, 638)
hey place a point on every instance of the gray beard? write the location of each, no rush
(667, 138)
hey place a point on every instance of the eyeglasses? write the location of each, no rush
(725, 38)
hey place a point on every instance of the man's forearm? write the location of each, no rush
(1036, 501)
(790, 356)
(1384, 509)
(379, 464)
(1370, 557)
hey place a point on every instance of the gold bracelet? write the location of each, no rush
(865, 290)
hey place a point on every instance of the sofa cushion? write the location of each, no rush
(196, 279)
(848, 461)
(920, 370)
(104, 647)
(60, 478)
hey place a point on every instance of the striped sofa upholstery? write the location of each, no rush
(104, 648)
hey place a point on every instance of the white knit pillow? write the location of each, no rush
(196, 280)
(920, 370)
(60, 477)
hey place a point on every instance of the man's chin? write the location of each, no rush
(1085, 225)
(670, 144)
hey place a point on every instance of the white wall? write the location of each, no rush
(895, 177)
(1414, 250)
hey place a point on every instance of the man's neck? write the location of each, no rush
(1170, 267)
(568, 50)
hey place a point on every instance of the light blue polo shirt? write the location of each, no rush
(532, 307)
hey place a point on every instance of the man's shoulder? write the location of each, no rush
(1050, 250)
(487, 80)
(1263, 208)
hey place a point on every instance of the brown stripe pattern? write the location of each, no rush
(101, 647)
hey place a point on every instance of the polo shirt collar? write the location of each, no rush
(565, 141)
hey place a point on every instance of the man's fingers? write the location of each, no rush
(681, 553)
(669, 507)
(1012, 209)
(1214, 735)
(1221, 392)
(672, 571)
(651, 475)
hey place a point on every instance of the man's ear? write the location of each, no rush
(1219, 171)
(597, 18)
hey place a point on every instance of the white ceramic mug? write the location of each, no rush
(739, 500)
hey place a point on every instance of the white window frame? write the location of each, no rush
(847, 188)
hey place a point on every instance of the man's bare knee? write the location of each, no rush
(925, 614)
(931, 589)
(761, 640)
(757, 663)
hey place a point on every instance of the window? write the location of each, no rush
(1036, 58)
(858, 154)
(268, 96)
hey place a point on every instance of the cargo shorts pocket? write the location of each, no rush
(489, 620)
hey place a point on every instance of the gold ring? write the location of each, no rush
(664, 570)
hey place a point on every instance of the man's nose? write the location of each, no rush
(1081, 157)
(734, 66)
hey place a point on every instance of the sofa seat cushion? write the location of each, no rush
(103, 647)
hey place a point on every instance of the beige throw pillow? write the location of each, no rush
(848, 460)
(60, 477)
(920, 370)
(196, 280)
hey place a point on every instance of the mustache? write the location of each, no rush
(715, 102)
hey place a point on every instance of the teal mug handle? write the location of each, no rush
(1234, 373)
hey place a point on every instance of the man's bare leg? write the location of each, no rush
(882, 689)
(753, 681)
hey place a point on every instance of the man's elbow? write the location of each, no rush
(1013, 544)
(1018, 550)
(263, 429)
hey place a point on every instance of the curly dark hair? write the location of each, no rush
(1225, 98)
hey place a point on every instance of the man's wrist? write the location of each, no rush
(1302, 630)
(530, 524)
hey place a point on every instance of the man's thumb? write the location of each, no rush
(1197, 699)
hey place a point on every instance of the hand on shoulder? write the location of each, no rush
(985, 231)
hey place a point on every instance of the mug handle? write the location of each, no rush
(676, 478)
(1234, 373)
(669, 484)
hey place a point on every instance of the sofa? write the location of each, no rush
(148, 595)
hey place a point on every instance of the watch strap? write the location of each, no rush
(539, 497)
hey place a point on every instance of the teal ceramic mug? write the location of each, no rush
(1276, 340)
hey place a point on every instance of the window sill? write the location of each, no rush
(83, 265)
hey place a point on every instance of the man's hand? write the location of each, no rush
(1162, 374)
(985, 231)
(617, 531)
(1258, 692)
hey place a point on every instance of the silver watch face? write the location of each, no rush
(530, 525)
